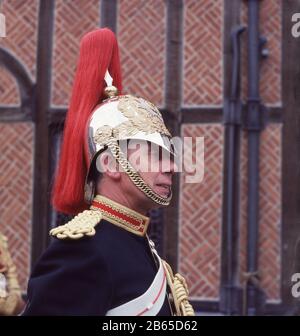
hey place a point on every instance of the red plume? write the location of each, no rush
(98, 52)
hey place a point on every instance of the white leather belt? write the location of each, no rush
(149, 303)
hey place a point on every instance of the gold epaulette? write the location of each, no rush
(81, 225)
(179, 291)
(3, 240)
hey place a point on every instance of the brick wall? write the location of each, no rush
(69, 27)
(270, 155)
(16, 148)
(141, 32)
(202, 70)
(269, 210)
(16, 139)
(200, 216)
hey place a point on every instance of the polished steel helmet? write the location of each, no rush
(120, 118)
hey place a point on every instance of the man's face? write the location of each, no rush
(154, 164)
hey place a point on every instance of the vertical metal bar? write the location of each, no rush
(41, 146)
(173, 90)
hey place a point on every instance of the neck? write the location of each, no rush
(125, 199)
(120, 215)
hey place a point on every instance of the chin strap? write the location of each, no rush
(179, 291)
(134, 176)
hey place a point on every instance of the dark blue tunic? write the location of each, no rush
(92, 275)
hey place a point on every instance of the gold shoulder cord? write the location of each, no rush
(179, 292)
(11, 302)
(84, 225)
(81, 225)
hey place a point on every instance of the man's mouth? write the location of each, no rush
(163, 188)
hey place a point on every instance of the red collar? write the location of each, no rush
(121, 216)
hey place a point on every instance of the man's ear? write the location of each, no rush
(106, 164)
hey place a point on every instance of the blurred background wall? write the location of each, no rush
(178, 54)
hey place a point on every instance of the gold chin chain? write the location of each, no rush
(134, 176)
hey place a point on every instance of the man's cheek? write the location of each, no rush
(154, 165)
(148, 178)
(144, 166)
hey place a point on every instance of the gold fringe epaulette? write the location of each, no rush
(179, 291)
(81, 225)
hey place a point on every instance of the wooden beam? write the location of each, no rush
(25, 85)
(202, 115)
(290, 148)
(214, 115)
(41, 148)
(108, 14)
(275, 114)
(9, 114)
(229, 286)
(57, 115)
(173, 118)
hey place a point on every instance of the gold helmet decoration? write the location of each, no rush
(125, 117)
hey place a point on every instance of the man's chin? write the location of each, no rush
(151, 204)
(163, 193)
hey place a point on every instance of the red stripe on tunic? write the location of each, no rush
(156, 298)
(116, 213)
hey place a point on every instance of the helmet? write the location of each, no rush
(121, 118)
(89, 131)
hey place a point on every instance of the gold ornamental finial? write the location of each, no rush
(110, 90)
